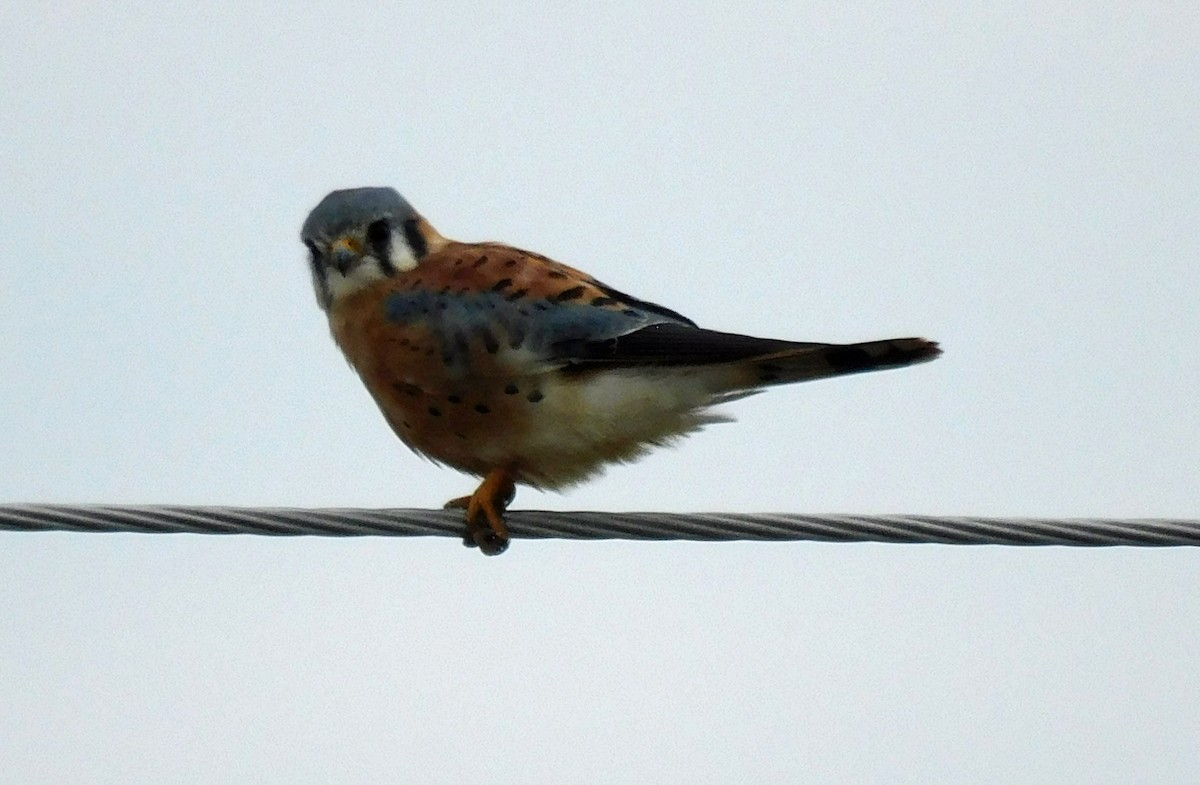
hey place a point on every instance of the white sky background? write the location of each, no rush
(1016, 181)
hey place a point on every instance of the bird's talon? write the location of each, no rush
(490, 543)
(486, 528)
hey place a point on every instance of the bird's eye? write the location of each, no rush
(378, 232)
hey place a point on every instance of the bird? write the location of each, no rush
(518, 369)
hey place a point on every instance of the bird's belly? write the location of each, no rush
(587, 421)
(552, 430)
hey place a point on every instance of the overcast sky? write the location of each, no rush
(1018, 181)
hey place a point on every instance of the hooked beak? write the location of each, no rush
(345, 253)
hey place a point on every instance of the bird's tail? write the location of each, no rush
(819, 361)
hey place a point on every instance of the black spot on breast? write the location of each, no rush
(479, 407)
(574, 293)
(534, 396)
(436, 412)
(511, 389)
(502, 284)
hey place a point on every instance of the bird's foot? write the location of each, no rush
(485, 512)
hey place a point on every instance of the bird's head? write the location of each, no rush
(359, 236)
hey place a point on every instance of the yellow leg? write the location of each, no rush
(485, 512)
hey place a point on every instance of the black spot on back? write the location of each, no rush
(489, 340)
(436, 412)
(535, 396)
(511, 389)
(574, 293)
(502, 284)
(460, 343)
(479, 407)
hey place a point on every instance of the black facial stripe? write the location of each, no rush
(379, 238)
(416, 240)
(378, 232)
(385, 262)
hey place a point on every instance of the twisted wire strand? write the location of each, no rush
(541, 524)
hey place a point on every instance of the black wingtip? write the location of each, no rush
(893, 353)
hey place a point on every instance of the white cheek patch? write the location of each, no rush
(400, 254)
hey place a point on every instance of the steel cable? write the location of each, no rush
(539, 524)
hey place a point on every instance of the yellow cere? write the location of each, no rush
(346, 243)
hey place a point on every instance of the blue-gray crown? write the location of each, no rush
(352, 207)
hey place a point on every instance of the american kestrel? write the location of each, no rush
(518, 369)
